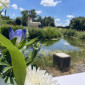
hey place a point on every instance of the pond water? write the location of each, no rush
(63, 44)
(60, 44)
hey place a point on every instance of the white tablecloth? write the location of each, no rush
(74, 79)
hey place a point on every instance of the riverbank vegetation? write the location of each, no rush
(45, 33)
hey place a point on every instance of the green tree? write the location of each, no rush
(6, 20)
(39, 18)
(18, 21)
(24, 17)
(48, 21)
(78, 23)
(32, 14)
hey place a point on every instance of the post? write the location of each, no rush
(62, 60)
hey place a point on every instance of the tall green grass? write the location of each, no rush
(81, 35)
(44, 33)
(69, 32)
(47, 33)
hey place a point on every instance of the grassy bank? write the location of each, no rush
(42, 34)
(45, 33)
(77, 59)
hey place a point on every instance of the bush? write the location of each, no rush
(48, 33)
(69, 32)
(37, 32)
(18, 21)
(81, 35)
(5, 29)
(78, 23)
(52, 33)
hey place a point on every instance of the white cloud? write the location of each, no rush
(21, 9)
(13, 15)
(38, 12)
(14, 6)
(61, 24)
(70, 16)
(67, 22)
(49, 3)
(57, 20)
(3, 13)
(58, 24)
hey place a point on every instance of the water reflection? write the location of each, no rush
(61, 44)
(76, 42)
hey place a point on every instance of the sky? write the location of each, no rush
(61, 10)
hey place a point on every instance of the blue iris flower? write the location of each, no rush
(19, 34)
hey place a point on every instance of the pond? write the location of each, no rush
(60, 44)
(63, 44)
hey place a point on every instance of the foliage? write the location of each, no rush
(8, 61)
(81, 35)
(52, 33)
(18, 62)
(6, 20)
(18, 21)
(32, 13)
(48, 21)
(48, 33)
(36, 32)
(24, 17)
(78, 23)
(69, 32)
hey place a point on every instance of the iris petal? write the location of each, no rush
(18, 34)
(11, 33)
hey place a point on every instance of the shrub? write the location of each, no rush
(35, 32)
(52, 33)
(69, 32)
(48, 33)
(18, 21)
(81, 35)
(78, 23)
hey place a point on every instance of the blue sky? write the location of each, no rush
(61, 10)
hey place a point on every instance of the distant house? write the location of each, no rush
(33, 24)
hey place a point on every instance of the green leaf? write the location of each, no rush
(2, 63)
(6, 69)
(22, 44)
(14, 41)
(18, 61)
(31, 42)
